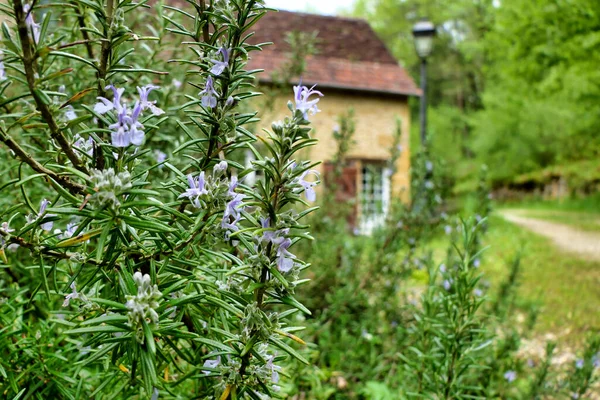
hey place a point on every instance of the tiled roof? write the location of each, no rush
(349, 54)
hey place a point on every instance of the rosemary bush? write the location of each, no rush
(137, 261)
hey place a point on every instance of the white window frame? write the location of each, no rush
(373, 190)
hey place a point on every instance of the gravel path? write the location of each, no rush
(567, 238)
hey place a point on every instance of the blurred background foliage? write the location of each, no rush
(514, 84)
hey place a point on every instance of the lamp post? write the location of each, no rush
(423, 33)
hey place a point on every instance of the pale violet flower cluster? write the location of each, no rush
(6, 231)
(510, 376)
(209, 95)
(281, 244)
(2, 70)
(142, 306)
(85, 146)
(67, 233)
(273, 370)
(197, 188)
(127, 130)
(232, 214)
(308, 187)
(46, 226)
(74, 295)
(108, 185)
(218, 65)
(35, 28)
(202, 189)
(303, 101)
(160, 156)
(447, 284)
(211, 364)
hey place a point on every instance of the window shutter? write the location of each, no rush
(345, 187)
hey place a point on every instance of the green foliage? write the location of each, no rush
(153, 269)
(514, 85)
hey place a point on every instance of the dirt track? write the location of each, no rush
(567, 238)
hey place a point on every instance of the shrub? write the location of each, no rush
(151, 267)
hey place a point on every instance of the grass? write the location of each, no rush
(566, 288)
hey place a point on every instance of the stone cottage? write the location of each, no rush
(354, 70)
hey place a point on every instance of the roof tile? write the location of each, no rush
(349, 53)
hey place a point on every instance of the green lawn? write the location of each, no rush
(566, 288)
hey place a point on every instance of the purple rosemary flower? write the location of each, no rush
(219, 66)
(478, 292)
(35, 28)
(209, 94)
(274, 369)
(267, 236)
(46, 226)
(220, 168)
(71, 296)
(160, 156)
(120, 135)
(86, 146)
(106, 105)
(70, 231)
(127, 129)
(448, 229)
(232, 186)
(136, 129)
(447, 284)
(579, 363)
(233, 207)
(2, 70)
(211, 364)
(510, 376)
(476, 263)
(144, 91)
(70, 114)
(196, 189)
(285, 259)
(232, 210)
(5, 234)
(308, 187)
(302, 98)
(6, 228)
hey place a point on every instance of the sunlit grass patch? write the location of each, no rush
(566, 287)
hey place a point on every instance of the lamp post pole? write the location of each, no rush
(423, 110)
(423, 33)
